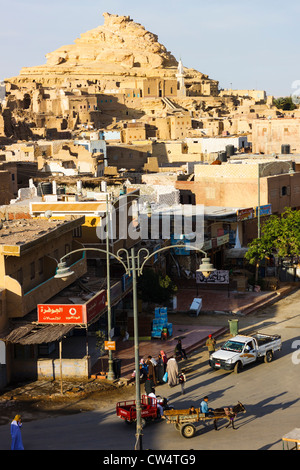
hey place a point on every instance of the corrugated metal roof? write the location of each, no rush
(30, 333)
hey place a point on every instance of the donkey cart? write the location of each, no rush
(183, 419)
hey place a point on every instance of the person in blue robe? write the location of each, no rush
(16, 437)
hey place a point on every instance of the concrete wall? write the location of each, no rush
(269, 135)
(243, 170)
(219, 144)
(50, 368)
(281, 191)
(44, 368)
(257, 95)
(6, 188)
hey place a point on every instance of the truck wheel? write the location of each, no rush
(238, 367)
(269, 356)
(188, 431)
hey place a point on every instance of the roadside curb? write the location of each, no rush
(269, 299)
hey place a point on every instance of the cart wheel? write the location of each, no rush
(188, 431)
(127, 421)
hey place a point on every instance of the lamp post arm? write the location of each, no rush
(141, 267)
(101, 251)
(126, 264)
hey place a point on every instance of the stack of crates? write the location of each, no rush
(161, 321)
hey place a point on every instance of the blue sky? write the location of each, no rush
(249, 44)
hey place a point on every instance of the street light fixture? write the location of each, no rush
(206, 268)
(63, 271)
(133, 266)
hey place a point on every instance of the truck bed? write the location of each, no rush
(265, 339)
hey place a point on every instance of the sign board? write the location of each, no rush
(215, 242)
(264, 210)
(72, 313)
(217, 277)
(110, 345)
(95, 305)
(223, 239)
(58, 313)
(245, 214)
(126, 282)
(116, 291)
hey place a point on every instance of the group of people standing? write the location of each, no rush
(154, 368)
(163, 370)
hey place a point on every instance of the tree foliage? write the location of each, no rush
(154, 287)
(285, 103)
(279, 235)
(100, 344)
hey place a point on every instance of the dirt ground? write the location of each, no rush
(43, 398)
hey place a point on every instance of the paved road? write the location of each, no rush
(270, 392)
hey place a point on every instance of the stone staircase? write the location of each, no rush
(172, 107)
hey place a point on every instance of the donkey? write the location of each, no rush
(229, 413)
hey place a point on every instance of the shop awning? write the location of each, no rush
(235, 252)
(29, 333)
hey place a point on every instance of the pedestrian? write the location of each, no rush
(149, 384)
(164, 358)
(154, 362)
(143, 369)
(204, 407)
(182, 380)
(151, 368)
(160, 408)
(160, 369)
(172, 370)
(16, 437)
(179, 350)
(211, 344)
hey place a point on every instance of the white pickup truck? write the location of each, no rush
(242, 350)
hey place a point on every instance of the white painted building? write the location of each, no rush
(218, 144)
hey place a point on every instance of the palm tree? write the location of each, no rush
(285, 103)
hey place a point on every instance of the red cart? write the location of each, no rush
(126, 410)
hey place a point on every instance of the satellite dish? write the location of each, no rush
(48, 214)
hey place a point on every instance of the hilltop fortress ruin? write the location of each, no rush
(116, 73)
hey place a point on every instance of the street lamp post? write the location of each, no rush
(110, 375)
(133, 266)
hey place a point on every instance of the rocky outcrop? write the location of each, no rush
(120, 46)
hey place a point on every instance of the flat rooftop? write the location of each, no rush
(15, 232)
(17, 236)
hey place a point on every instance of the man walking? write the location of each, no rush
(211, 344)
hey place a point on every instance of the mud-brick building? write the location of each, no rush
(29, 253)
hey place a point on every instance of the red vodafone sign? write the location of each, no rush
(72, 313)
(53, 313)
